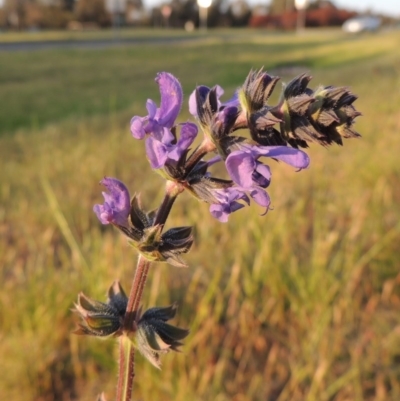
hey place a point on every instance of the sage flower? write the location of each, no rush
(161, 117)
(246, 170)
(116, 207)
(169, 149)
(227, 202)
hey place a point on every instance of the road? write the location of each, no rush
(90, 44)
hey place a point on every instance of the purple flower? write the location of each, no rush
(252, 176)
(227, 202)
(246, 171)
(164, 116)
(116, 207)
(261, 197)
(167, 149)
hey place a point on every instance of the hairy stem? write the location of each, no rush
(126, 369)
(126, 372)
(136, 293)
(122, 368)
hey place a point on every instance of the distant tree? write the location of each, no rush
(92, 11)
(239, 13)
(280, 6)
(188, 10)
(68, 4)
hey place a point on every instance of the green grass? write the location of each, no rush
(299, 305)
(50, 86)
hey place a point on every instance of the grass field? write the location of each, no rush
(300, 305)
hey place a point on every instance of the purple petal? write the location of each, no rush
(193, 104)
(291, 156)
(219, 91)
(192, 99)
(240, 166)
(116, 205)
(227, 116)
(137, 127)
(156, 152)
(233, 101)
(261, 197)
(227, 202)
(261, 175)
(171, 99)
(151, 108)
(213, 160)
(167, 137)
(219, 212)
(188, 135)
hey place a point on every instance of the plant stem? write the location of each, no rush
(126, 372)
(122, 368)
(136, 293)
(171, 192)
(126, 369)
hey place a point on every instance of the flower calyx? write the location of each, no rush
(155, 337)
(165, 247)
(101, 319)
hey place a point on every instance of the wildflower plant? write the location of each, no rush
(241, 134)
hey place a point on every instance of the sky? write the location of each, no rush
(389, 7)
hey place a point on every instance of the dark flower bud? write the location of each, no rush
(333, 113)
(256, 91)
(297, 86)
(102, 319)
(323, 116)
(155, 337)
(216, 119)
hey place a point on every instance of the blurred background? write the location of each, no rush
(299, 305)
(34, 15)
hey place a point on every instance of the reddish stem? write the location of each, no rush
(136, 293)
(125, 381)
(122, 361)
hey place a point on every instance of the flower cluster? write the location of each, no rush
(302, 116)
(184, 154)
